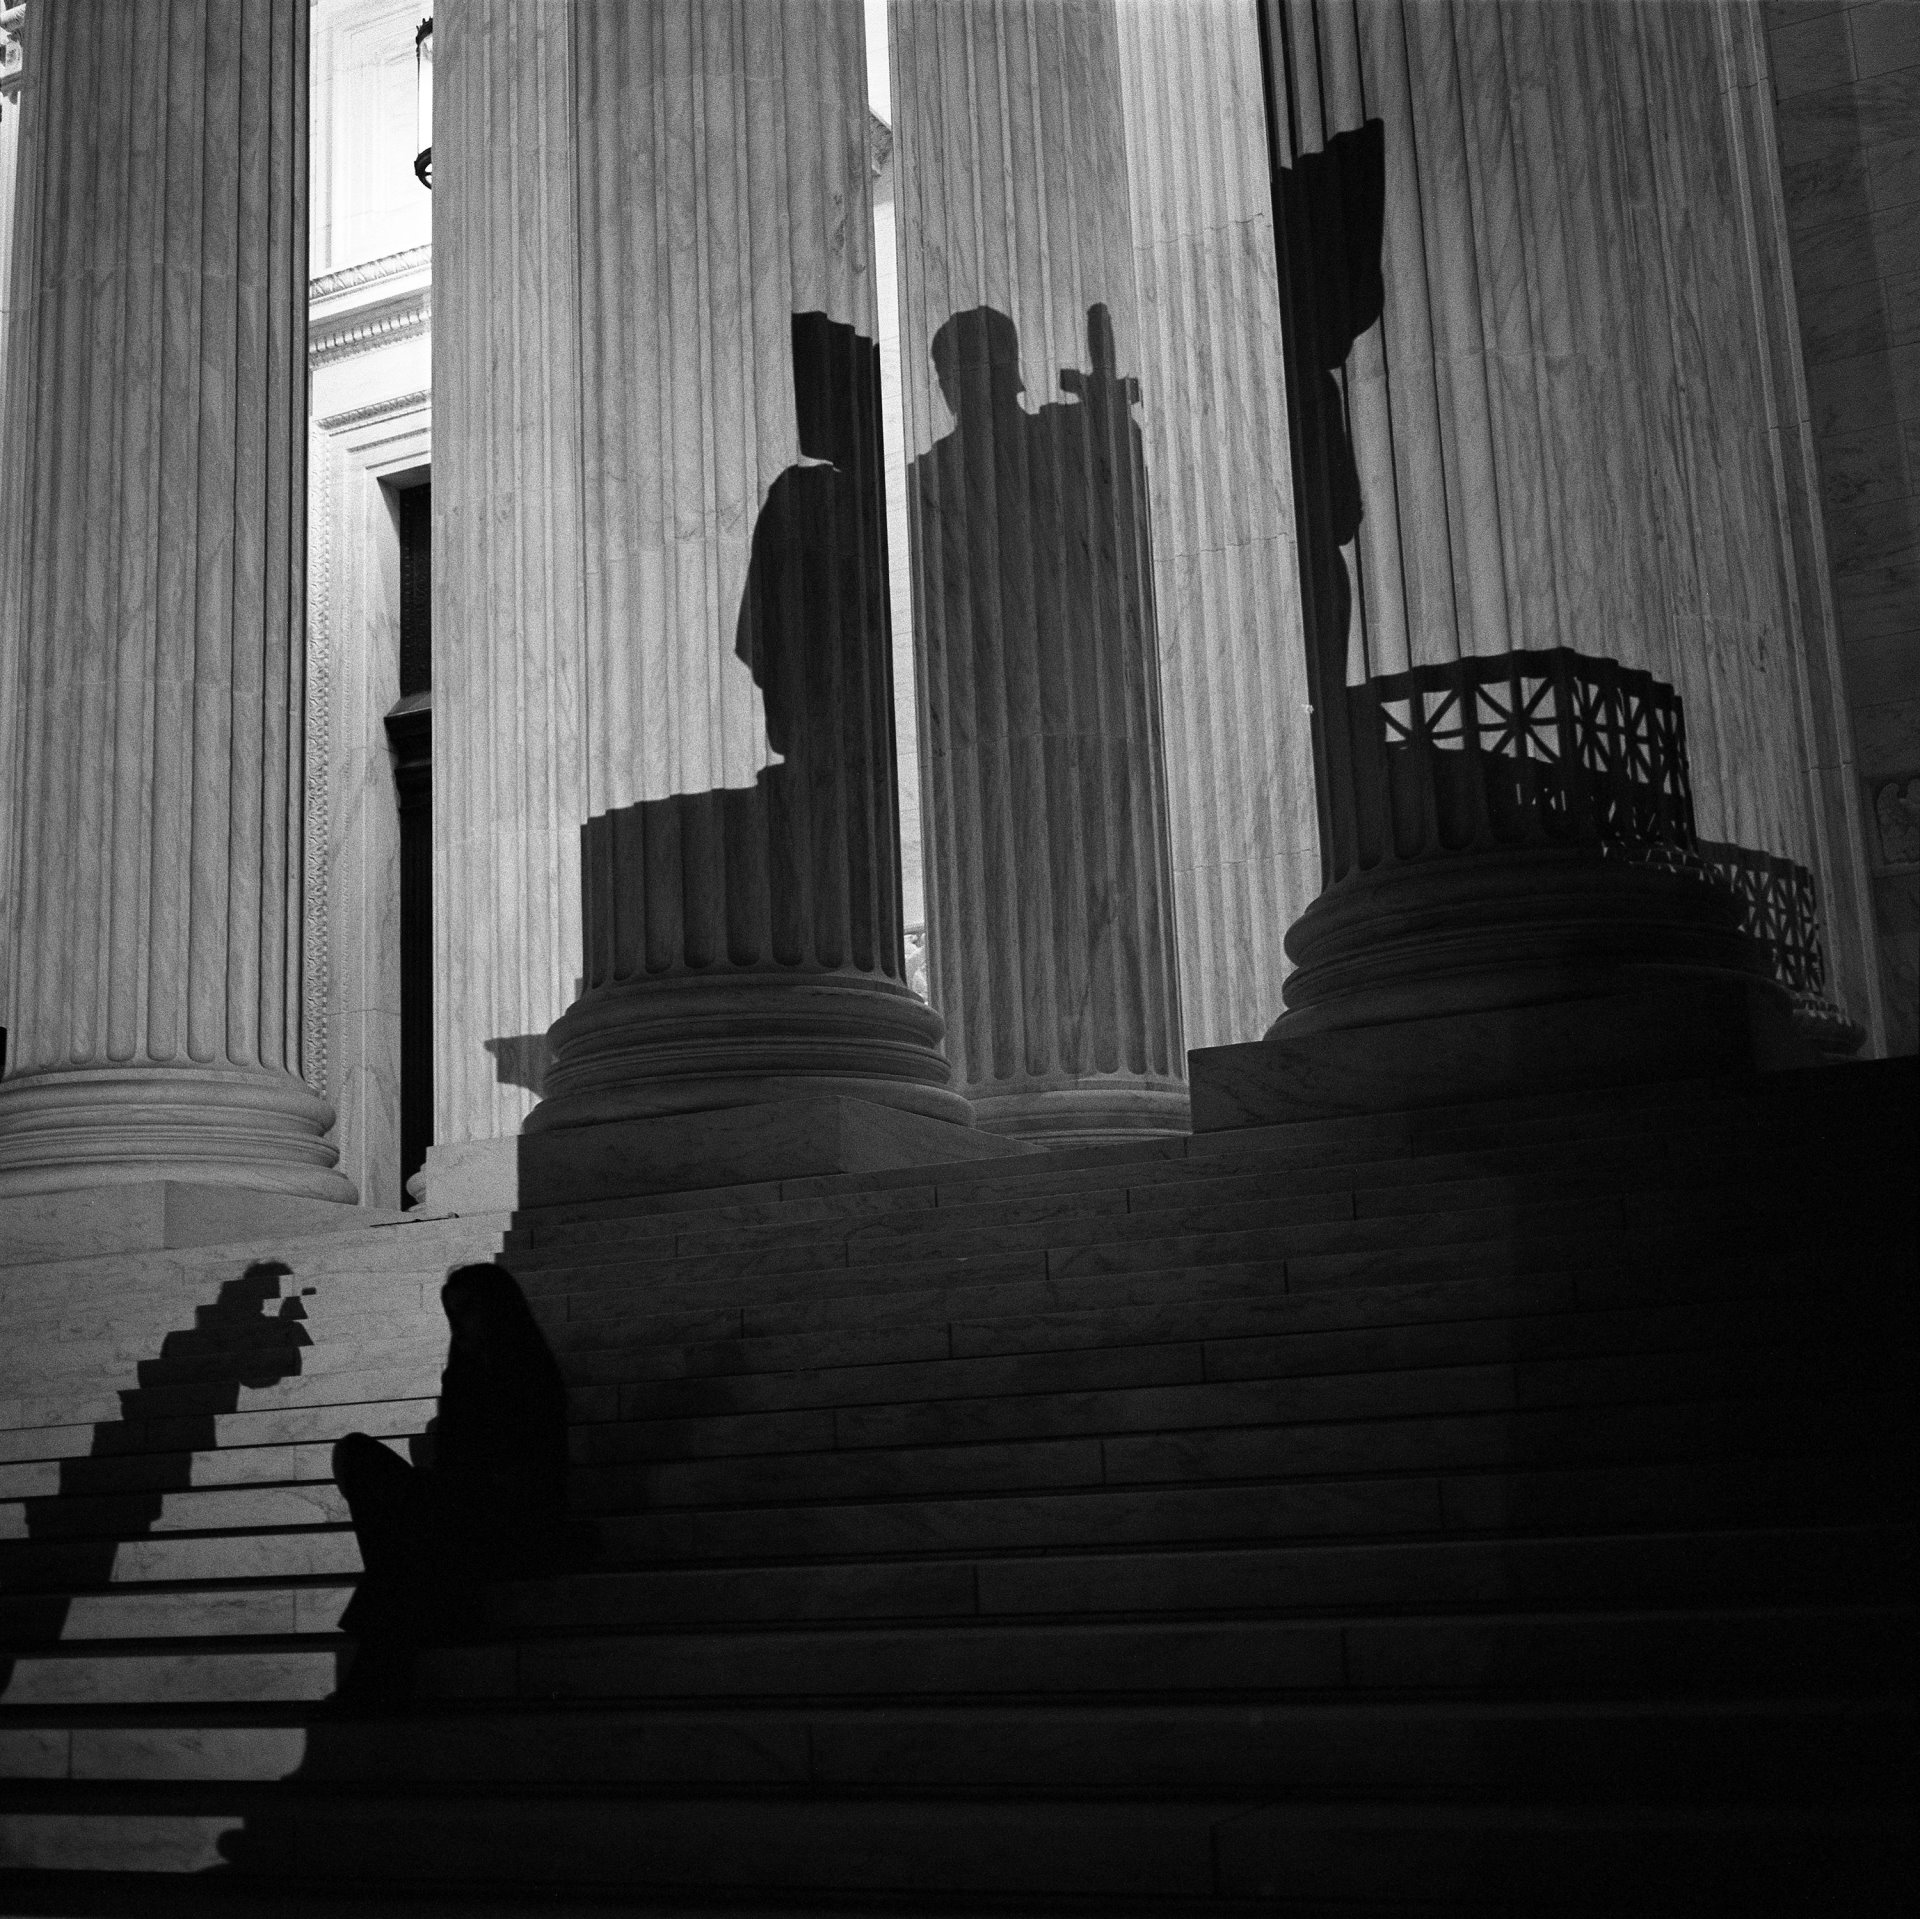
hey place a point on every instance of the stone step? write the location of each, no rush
(1471, 1245)
(1761, 1426)
(1705, 1153)
(1020, 1288)
(238, 1431)
(410, 1248)
(1457, 1246)
(1320, 1223)
(162, 1405)
(1218, 1203)
(1857, 1487)
(1803, 1654)
(242, 1368)
(254, 1672)
(1788, 1566)
(1393, 1393)
(212, 1612)
(68, 1566)
(1521, 1173)
(1681, 1751)
(89, 1475)
(1073, 1853)
(1188, 1344)
(211, 1509)
(1841, 1650)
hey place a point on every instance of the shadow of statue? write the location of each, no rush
(1332, 209)
(803, 866)
(1040, 704)
(116, 1492)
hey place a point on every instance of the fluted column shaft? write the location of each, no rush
(509, 685)
(1050, 898)
(1245, 847)
(154, 1010)
(674, 504)
(1563, 424)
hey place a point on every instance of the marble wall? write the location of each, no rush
(370, 309)
(1846, 104)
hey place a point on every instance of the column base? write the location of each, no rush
(1585, 1045)
(1485, 976)
(694, 1043)
(85, 1127)
(1087, 1113)
(797, 1138)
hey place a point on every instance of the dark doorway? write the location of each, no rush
(410, 736)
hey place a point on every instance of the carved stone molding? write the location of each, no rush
(390, 409)
(319, 745)
(404, 318)
(13, 54)
(367, 273)
(371, 304)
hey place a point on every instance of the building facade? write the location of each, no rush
(540, 803)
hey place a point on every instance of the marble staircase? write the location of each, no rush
(1503, 1508)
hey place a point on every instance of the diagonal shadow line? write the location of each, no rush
(116, 1492)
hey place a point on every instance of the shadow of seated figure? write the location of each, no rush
(488, 1502)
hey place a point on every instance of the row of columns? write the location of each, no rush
(665, 795)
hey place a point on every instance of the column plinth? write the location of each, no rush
(154, 1004)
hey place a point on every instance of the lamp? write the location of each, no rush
(423, 96)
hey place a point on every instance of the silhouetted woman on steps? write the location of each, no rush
(489, 1504)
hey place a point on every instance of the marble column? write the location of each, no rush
(510, 558)
(1564, 424)
(13, 398)
(154, 1006)
(1245, 845)
(675, 507)
(1050, 896)
(1529, 332)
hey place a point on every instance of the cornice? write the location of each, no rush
(369, 273)
(378, 410)
(359, 329)
(370, 304)
(13, 51)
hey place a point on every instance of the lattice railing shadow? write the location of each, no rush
(1551, 747)
(1517, 749)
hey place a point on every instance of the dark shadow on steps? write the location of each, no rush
(117, 1491)
(483, 1500)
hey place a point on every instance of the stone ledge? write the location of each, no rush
(687, 1152)
(157, 1215)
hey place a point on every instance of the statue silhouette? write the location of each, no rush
(810, 849)
(1332, 205)
(1034, 579)
(814, 631)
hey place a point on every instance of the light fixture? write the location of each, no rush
(423, 101)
